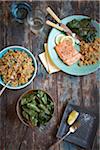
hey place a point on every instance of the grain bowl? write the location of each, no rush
(17, 65)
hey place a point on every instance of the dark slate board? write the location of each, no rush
(85, 134)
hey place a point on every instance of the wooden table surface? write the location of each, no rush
(63, 87)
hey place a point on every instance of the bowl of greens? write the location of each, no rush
(35, 108)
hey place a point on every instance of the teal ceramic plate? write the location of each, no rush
(19, 48)
(74, 69)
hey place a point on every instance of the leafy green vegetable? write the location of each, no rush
(29, 112)
(44, 99)
(84, 28)
(34, 121)
(44, 109)
(24, 101)
(34, 107)
(37, 108)
(25, 115)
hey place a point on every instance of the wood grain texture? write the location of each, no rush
(62, 87)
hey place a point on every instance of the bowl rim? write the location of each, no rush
(18, 108)
(35, 66)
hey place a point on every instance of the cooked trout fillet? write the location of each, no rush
(67, 53)
(74, 59)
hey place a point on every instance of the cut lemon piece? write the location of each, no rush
(59, 37)
(69, 39)
(72, 117)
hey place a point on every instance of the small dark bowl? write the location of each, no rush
(18, 108)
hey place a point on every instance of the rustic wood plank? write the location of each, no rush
(3, 105)
(48, 83)
(62, 87)
(70, 87)
(12, 125)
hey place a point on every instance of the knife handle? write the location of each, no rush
(50, 11)
(54, 25)
(66, 29)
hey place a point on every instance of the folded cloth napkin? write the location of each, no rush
(47, 62)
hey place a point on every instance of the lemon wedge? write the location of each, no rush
(72, 117)
(69, 39)
(59, 37)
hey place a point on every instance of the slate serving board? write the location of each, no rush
(85, 134)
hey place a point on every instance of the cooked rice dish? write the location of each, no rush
(16, 67)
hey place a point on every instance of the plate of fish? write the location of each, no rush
(76, 58)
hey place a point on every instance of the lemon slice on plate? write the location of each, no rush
(68, 38)
(59, 37)
(72, 117)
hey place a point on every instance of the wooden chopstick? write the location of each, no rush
(61, 26)
(50, 11)
(54, 25)
(65, 28)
